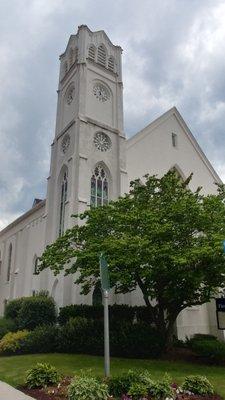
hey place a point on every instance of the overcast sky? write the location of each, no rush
(174, 54)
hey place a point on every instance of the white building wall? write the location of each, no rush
(151, 151)
(27, 238)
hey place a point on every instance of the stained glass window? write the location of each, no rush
(63, 198)
(99, 187)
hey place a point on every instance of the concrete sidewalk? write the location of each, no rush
(7, 392)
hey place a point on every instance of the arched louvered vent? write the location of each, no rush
(101, 55)
(111, 64)
(71, 57)
(91, 52)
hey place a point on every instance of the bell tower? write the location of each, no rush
(88, 152)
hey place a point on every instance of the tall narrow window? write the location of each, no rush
(9, 262)
(0, 262)
(35, 266)
(174, 139)
(76, 55)
(99, 187)
(101, 58)
(71, 57)
(63, 197)
(91, 52)
(111, 63)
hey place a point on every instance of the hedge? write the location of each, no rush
(80, 335)
(116, 313)
(208, 349)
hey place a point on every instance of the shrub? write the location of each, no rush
(43, 339)
(162, 389)
(135, 340)
(119, 385)
(138, 390)
(12, 308)
(198, 384)
(35, 311)
(42, 375)
(13, 342)
(203, 336)
(87, 388)
(210, 350)
(80, 335)
(6, 325)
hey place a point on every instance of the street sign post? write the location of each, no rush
(220, 306)
(104, 274)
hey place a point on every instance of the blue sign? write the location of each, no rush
(220, 304)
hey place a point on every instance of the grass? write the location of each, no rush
(13, 368)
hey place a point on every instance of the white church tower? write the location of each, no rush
(88, 152)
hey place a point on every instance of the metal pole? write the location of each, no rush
(106, 332)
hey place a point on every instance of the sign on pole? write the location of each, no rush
(220, 313)
(104, 274)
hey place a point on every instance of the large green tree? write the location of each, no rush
(161, 237)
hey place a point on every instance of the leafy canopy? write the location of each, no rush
(161, 237)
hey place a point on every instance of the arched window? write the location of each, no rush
(99, 187)
(97, 296)
(63, 197)
(35, 265)
(76, 55)
(111, 63)
(178, 173)
(71, 57)
(101, 58)
(9, 262)
(91, 52)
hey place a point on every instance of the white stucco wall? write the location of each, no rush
(27, 238)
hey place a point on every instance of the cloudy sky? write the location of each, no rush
(174, 54)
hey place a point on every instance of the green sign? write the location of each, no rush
(104, 273)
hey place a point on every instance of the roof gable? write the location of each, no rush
(173, 112)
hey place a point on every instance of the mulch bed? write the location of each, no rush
(60, 393)
(40, 394)
(51, 393)
(196, 397)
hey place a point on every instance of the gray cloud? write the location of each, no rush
(173, 55)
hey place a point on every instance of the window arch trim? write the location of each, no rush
(63, 195)
(9, 266)
(102, 55)
(179, 171)
(100, 185)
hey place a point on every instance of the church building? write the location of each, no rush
(92, 162)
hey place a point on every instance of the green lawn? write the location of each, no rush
(12, 369)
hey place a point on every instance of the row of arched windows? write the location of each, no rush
(100, 56)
